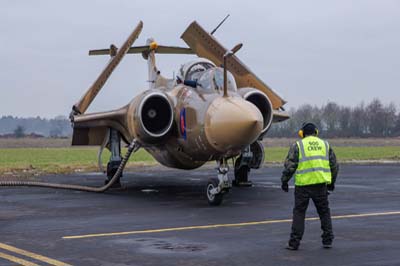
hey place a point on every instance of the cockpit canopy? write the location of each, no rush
(213, 80)
(188, 70)
(197, 70)
(206, 75)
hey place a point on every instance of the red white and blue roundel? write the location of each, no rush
(182, 119)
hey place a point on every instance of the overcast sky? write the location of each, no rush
(307, 51)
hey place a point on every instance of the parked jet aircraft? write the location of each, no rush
(215, 109)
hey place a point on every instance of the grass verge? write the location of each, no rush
(66, 160)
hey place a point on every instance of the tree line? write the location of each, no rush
(20, 127)
(374, 119)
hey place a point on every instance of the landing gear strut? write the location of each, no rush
(115, 159)
(241, 174)
(252, 157)
(217, 187)
(242, 169)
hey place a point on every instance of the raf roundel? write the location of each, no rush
(182, 119)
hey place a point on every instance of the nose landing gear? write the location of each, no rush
(217, 187)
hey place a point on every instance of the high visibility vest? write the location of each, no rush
(313, 167)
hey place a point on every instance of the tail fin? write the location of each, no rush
(153, 72)
(155, 80)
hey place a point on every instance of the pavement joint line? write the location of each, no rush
(31, 255)
(17, 260)
(212, 226)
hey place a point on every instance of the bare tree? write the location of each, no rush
(19, 132)
(331, 119)
(374, 112)
(374, 119)
(344, 122)
(389, 120)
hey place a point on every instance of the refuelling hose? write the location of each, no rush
(133, 147)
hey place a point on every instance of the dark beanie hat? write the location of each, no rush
(309, 129)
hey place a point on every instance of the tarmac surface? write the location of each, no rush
(162, 218)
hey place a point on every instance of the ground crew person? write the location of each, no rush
(314, 165)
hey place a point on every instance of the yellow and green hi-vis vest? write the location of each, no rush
(313, 167)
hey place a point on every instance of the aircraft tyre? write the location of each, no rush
(241, 175)
(213, 199)
(112, 168)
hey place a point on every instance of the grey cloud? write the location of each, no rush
(308, 51)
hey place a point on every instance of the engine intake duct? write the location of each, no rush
(262, 102)
(152, 115)
(156, 115)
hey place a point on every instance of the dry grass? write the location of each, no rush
(29, 157)
(34, 143)
(35, 161)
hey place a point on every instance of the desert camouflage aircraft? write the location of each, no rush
(215, 109)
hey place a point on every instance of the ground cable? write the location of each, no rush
(133, 147)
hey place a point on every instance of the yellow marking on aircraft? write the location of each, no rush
(17, 260)
(212, 226)
(33, 255)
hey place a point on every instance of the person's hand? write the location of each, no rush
(285, 186)
(330, 187)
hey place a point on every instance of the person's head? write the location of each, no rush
(308, 129)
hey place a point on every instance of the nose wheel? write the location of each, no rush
(214, 198)
(217, 187)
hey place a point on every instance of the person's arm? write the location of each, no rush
(333, 165)
(291, 162)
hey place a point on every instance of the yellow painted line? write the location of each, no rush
(212, 226)
(33, 255)
(17, 260)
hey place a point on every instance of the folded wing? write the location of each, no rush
(81, 106)
(205, 45)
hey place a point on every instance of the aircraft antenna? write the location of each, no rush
(219, 25)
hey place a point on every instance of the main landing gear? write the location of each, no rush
(115, 159)
(252, 157)
(217, 187)
(241, 172)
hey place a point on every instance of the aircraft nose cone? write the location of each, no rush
(232, 123)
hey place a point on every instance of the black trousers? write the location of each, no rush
(319, 195)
